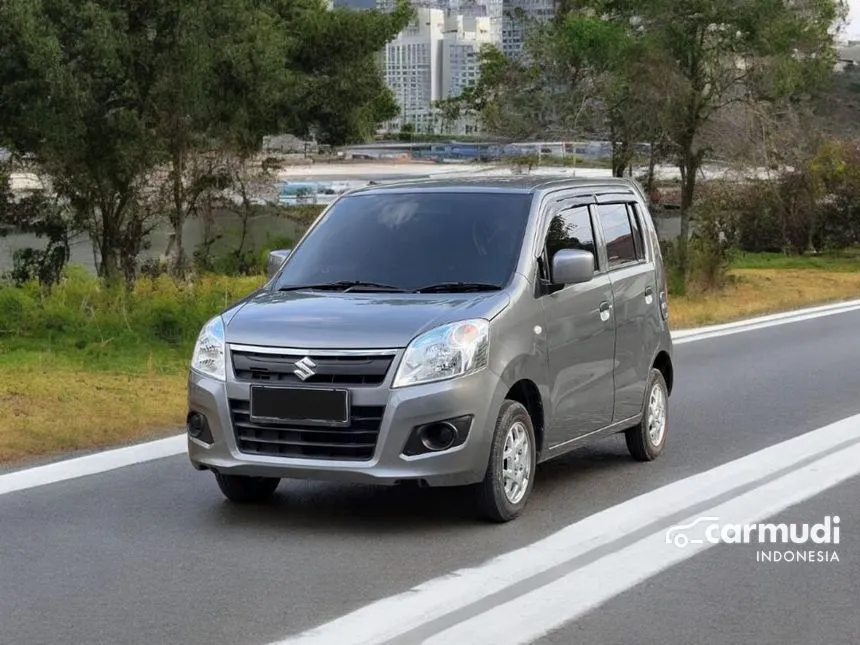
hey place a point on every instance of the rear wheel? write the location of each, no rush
(246, 490)
(509, 479)
(647, 441)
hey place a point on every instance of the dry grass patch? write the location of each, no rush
(756, 292)
(45, 411)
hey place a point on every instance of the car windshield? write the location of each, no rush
(413, 241)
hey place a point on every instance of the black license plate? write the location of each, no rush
(300, 405)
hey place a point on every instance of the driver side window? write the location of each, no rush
(570, 229)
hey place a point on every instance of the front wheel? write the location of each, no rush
(647, 441)
(246, 490)
(509, 479)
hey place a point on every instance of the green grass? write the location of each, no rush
(845, 260)
(85, 365)
(84, 323)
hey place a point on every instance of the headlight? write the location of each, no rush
(209, 352)
(451, 350)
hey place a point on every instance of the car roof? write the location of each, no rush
(516, 184)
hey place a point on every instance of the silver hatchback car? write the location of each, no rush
(449, 333)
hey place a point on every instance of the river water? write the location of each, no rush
(262, 230)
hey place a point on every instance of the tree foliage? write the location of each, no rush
(662, 72)
(554, 88)
(725, 52)
(36, 213)
(119, 101)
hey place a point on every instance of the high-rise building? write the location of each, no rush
(461, 67)
(490, 9)
(435, 57)
(518, 16)
(412, 66)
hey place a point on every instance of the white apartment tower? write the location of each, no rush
(461, 46)
(489, 9)
(517, 18)
(435, 57)
(412, 65)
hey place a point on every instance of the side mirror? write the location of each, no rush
(572, 266)
(276, 261)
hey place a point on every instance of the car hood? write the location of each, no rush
(325, 320)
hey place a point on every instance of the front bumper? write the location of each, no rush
(479, 395)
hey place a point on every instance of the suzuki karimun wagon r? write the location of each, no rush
(447, 333)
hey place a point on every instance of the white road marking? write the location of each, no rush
(175, 445)
(529, 617)
(396, 615)
(762, 322)
(92, 464)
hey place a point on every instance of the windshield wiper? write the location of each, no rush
(453, 287)
(345, 285)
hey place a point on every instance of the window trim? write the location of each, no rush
(627, 263)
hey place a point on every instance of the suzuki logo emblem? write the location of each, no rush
(304, 368)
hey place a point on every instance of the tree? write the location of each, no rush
(122, 103)
(341, 95)
(69, 95)
(554, 88)
(183, 111)
(632, 95)
(726, 52)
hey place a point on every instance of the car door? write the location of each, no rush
(580, 329)
(635, 295)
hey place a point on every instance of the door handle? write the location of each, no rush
(649, 294)
(605, 310)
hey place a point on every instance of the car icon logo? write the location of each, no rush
(304, 368)
(678, 535)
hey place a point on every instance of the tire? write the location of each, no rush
(246, 490)
(493, 502)
(647, 441)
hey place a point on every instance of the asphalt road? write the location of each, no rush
(151, 554)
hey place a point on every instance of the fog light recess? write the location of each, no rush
(197, 427)
(437, 436)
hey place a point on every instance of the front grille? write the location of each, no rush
(337, 370)
(356, 441)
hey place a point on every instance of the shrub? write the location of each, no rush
(835, 169)
(273, 243)
(675, 280)
(814, 207)
(17, 305)
(714, 238)
(250, 260)
(81, 313)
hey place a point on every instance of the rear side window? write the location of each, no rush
(571, 229)
(638, 237)
(618, 231)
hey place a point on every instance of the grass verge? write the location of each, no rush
(55, 409)
(757, 292)
(87, 367)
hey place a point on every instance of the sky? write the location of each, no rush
(852, 30)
